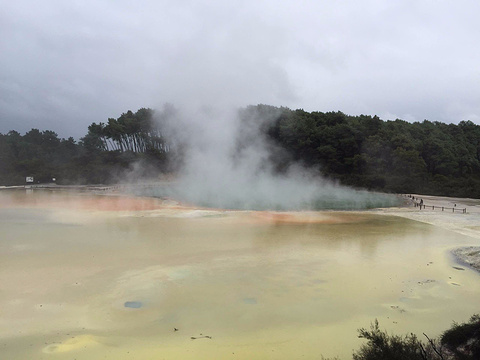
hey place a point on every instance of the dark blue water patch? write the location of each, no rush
(250, 301)
(133, 304)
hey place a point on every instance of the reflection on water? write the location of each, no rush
(80, 283)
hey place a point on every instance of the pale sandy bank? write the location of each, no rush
(467, 223)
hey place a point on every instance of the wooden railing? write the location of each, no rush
(421, 205)
(443, 208)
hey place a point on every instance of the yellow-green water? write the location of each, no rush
(95, 277)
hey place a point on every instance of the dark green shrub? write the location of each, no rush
(463, 340)
(382, 346)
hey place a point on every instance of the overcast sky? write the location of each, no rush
(66, 64)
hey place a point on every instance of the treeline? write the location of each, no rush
(135, 132)
(362, 151)
(365, 151)
(39, 154)
(131, 146)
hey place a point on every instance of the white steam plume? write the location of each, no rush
(226, 164)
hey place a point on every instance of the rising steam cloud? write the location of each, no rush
(226, 164)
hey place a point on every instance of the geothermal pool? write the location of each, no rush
(112, 277)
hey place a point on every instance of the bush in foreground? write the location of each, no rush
(460, 342)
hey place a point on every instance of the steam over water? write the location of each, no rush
(270, 194)
(227, 163)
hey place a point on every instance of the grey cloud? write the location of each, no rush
(67, 64)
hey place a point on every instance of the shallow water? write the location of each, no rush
(96, 277)
(278, 195)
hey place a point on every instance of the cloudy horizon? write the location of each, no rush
(65, 65)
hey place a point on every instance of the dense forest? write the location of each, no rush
(394, 156)
(361, 151)
(106, 154)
